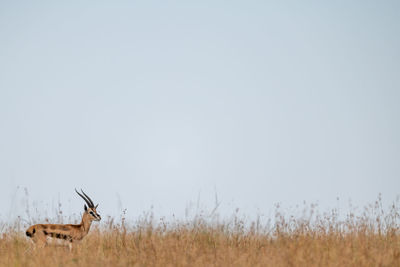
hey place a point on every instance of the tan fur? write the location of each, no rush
(71, 233)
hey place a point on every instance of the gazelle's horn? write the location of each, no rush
(91, 202)
(88, 202)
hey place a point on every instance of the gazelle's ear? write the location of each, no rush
(85, 207)
(96, 206)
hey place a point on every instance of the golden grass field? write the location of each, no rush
(312, 239)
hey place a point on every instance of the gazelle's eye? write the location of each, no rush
(91, 213)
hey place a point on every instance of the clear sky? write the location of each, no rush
(162, 103)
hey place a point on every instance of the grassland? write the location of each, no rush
(371, 238)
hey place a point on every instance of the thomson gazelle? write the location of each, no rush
(40, 233)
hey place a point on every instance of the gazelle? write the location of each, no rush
(40, 233)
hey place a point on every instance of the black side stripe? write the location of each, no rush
(58, 235)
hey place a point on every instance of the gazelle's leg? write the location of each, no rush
(70, 246)
(40, 240)
(30, 247)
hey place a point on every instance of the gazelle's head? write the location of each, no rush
(90, 209)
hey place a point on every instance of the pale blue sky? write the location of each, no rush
(159, 102)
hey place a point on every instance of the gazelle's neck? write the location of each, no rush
(86, 223)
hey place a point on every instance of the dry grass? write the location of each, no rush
(369, 239)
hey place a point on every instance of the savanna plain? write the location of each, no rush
(369, 237)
